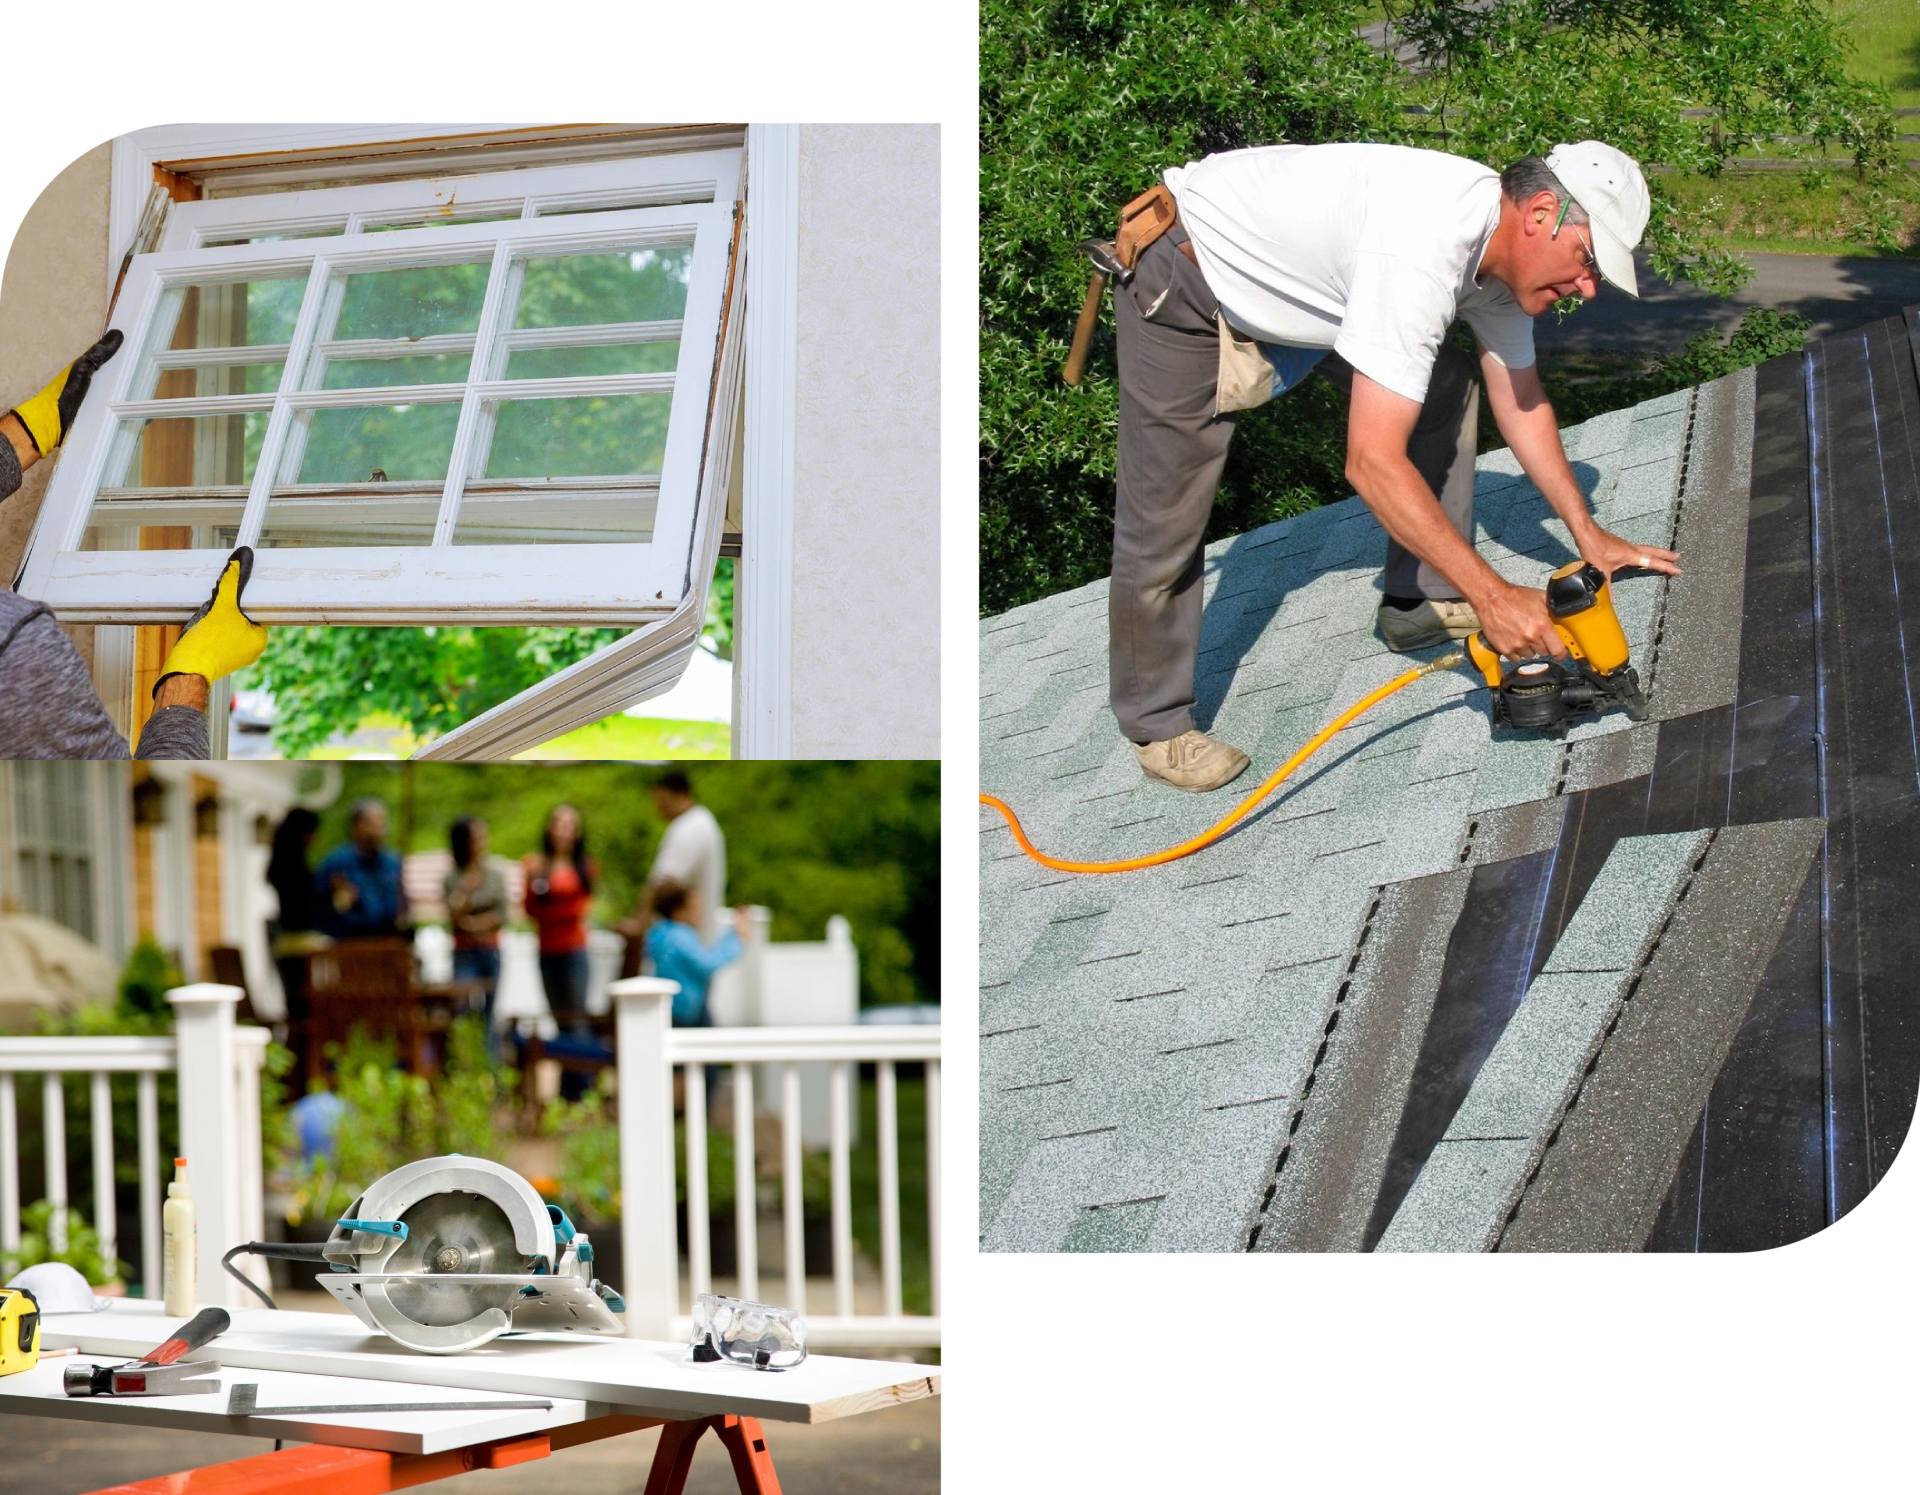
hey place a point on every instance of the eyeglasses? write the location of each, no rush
(1588, 264)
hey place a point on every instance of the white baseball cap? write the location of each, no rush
(1609, 188)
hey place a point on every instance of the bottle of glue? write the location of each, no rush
(181, 1244)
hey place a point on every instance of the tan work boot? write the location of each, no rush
(1437, 620)
(1192, 761)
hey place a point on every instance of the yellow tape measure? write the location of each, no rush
(19, 1330)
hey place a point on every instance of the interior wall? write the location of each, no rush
(866, 562)
(53, 303)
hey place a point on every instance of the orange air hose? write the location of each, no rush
(1246, 806)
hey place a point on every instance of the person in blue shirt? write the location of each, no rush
(679, 954)
(359, 883)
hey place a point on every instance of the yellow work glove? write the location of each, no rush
(48, 416)
(220, 638)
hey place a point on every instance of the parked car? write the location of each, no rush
(252, 711)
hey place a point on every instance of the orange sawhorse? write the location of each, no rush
(322, 1469)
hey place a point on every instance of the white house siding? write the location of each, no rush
(866, 532)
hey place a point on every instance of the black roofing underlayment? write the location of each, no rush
(1818, 1088)
(1718, 1050)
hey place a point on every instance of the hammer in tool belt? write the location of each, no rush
(161, 1371)
(1142, 221)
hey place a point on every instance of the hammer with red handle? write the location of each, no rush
(161, 1372)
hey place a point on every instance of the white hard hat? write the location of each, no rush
(58, 1288)
(1609, 187)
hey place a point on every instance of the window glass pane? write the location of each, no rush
(501, 514)
(654, 199)
(203, 379)
(232, 314)
(320, 517)
(415, 302)
(378, 444)
(369, 475)
(431, 219)
(322, 231)
(639, 285)
(619, 358)
(369, 373)
(592, 436)
(197, 451)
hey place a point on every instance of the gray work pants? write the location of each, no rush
(1172, 448)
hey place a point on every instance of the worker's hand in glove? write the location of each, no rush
(48, 416)
(220, 638)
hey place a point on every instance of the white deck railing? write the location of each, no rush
(219, 1129)
(650, 1049)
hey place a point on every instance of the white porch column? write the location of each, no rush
(209, 1128)
(650, 1268)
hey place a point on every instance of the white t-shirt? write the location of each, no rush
(693, 851)
(1370, 250)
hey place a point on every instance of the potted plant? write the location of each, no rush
(82, 1251)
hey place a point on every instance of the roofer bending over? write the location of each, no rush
(48, 708)
(1352, 260)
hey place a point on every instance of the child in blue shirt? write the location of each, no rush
(678, 954)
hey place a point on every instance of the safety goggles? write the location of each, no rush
(1588, 263)
(755, 1334)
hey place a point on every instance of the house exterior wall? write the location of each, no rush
(53, 303)
(866, 524)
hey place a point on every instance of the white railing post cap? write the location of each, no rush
(205, 991)
(643, 986)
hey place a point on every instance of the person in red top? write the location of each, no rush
(559, 890)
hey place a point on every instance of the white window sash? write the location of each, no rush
(649, 660)
(687, 177)
(594, 583)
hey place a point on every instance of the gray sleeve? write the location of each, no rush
(10, 477)
(175, 732)
(47, 705)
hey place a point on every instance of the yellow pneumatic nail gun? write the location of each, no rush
(1546, 694)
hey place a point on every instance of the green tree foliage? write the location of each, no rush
(1084, 102)
(325, 680)
(807, 839)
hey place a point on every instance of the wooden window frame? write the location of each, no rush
(258, 159)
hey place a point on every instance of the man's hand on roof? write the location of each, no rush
(1611, 553)
(1514, 621)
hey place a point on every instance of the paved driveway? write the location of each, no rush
(1834, 294)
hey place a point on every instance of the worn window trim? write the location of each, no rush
(607, 583)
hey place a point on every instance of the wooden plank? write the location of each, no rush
(38, 1393)
(637, 1377)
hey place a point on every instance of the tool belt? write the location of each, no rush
(1246, 377)
(1144, 220)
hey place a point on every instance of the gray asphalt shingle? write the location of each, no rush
(1498, 1136)
(1153, 1031)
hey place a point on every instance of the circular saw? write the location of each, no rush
(447, 1253)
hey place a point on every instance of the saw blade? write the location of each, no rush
(453, 1236)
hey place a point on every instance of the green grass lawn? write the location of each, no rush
(640, 737)
(1886, 36)
(382, 735)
